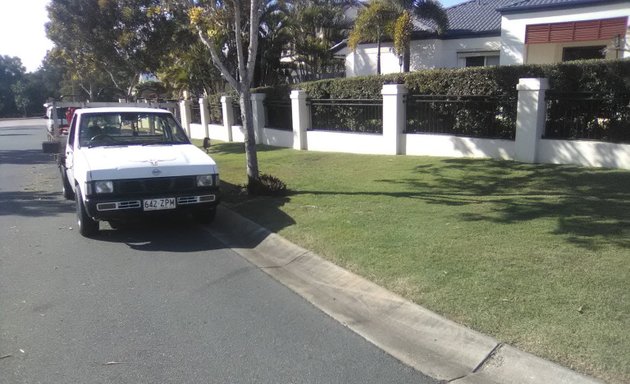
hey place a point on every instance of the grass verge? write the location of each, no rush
(537, 256)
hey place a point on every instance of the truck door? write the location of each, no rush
(69, 151)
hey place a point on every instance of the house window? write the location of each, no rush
(584, 53)
(475, 61)
(478, 59)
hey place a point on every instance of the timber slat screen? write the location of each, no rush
(279, 114)
(584, 116)
(471, 116)
(347, 115)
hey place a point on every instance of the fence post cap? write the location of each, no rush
(226, 98)
(394, 89)
(298, 94)
(533, 84)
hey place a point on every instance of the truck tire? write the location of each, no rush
(66, 188)
(87, 226)
(205, 216)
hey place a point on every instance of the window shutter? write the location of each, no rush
(603, 29)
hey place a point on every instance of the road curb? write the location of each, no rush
(416, 336)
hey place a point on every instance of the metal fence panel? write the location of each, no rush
(347, 115)
(584, 116)
(279, 114)
(195, 111)
(238, 120)
(216, 113)
(471, 116)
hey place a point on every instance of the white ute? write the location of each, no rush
(121, 163)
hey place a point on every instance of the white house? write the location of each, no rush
(506, 32)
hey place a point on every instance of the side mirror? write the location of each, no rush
(51, 147)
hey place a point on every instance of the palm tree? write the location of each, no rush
(393, 19)
(426, 10)
(374, 23)
(316, 25)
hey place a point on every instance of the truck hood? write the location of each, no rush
(128, 162)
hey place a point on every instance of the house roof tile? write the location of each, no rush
(479, 17)
(532, 5)
(476, 16)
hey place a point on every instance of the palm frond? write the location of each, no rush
(432, 10)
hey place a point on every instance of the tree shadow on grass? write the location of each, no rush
(238, 148)
(588, 204)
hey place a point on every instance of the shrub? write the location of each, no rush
(267, 185)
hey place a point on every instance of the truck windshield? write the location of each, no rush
(130, 128)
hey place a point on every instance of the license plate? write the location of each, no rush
(159, 204)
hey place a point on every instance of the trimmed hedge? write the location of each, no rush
(601, 77)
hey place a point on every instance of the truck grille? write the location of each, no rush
(156, 185)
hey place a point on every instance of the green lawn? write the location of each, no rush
(537, 256)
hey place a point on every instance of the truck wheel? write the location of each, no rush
(67, 191)
(87, 226)
(205, 216)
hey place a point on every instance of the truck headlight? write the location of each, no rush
(204, 181)
(104, 186)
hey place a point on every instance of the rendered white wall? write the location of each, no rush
(197, 131)
(513, 26)
(454, 146)
(349, 62)
(277, 138)
(238, 133)
(584, 153)
(450, 49)
(273, 137)
(363, 61)
(346, 142)
(216, 132)
(425, 54)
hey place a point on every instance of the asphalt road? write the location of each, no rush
(154, 303)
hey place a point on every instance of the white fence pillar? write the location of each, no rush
(185, 115)
(228, 115)
(205, 115)
(394, 117)
(258, 112)
(530, 118)
(301, 119)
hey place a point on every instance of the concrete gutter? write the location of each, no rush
(416, 336)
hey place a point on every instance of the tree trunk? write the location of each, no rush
(251, 157)
(378, 56)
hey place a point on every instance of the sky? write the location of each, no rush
(22, 31)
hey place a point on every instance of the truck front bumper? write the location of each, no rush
(108, 208)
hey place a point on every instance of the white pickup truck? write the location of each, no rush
(122, 163)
